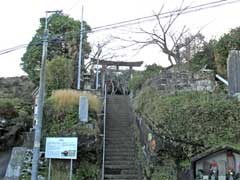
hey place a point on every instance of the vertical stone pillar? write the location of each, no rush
(130, 71)
(233, 71)
(15, 164)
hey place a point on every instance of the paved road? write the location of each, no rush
(4, 159)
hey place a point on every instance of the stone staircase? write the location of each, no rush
(120, 157)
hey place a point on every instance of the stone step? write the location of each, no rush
(120, 136)
(121, 167)
(124, 133)
(124, 162)
(119, 129)
(122, 146)
(120, 149)
(118, 119)
(119, 158)
(121, 171)
(119, 155)
(121, 176)
(111, 140)
(122, 128)
(118, 125)
(119, 139)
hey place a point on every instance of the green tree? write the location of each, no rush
(139, 77)
(63, 41)
(204, 57)
(227, 42)
(58, 74)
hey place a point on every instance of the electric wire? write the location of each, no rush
(131, 22)
(164, 13)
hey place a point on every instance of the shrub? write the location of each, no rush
(7, 108)
(58, 74)
(189, 122)
(139, 77)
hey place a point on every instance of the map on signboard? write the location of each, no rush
(61, 147)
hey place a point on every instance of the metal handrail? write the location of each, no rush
(104, 130)
(222, 79)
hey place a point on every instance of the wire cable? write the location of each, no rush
(131, 22)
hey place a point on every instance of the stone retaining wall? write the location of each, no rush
(171, 82)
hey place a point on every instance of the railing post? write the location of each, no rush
(104, 129)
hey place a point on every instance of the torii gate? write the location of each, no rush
(105, 64)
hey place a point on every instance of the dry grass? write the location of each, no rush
(68, 98)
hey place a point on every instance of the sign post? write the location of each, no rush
(71, 164)
(61, 148)
(49, 168)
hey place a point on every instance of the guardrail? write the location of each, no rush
(222, 79)
(104, 130)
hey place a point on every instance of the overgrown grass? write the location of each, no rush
(68, 98)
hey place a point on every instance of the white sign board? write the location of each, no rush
(61, 147)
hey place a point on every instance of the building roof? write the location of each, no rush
(212, 151)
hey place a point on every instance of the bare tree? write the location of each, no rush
(169, 39)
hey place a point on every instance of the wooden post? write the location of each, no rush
(233, 67)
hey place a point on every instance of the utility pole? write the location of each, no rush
(80, 53)
(40, 102)
(97, 73)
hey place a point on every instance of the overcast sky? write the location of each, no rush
(20, 19)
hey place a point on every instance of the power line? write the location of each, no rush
(144, 19)
(73, 6)
(5, 51)
(162, 14)
(153, 17)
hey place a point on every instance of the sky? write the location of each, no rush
(20, 19)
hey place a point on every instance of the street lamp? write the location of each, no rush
(40, 102)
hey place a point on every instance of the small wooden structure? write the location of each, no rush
(105, 64)
(220, 163)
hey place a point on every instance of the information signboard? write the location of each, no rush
(61, 148)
